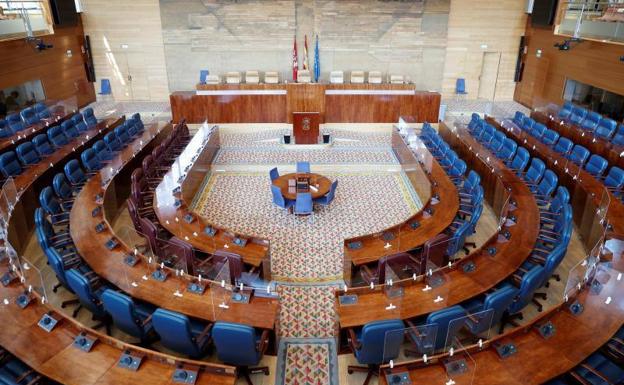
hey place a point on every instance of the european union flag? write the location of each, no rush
(317, 62)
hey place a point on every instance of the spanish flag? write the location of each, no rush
(295, 65)
(305, 52)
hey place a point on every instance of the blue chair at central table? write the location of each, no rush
(303, 167)
(329, 197)
(303, 204)
(279, 199)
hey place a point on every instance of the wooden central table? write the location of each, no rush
(322, 184)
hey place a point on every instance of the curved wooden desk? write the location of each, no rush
(54, 356)
(109, 264)
(537, 359)
(432, 218)
(586, 192)
(500, 183)
(34, 178)
(180, 185)
(322, 184)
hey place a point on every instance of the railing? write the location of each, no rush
(592, 20)
(19, 19)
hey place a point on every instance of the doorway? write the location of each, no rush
(489, 75)
(130, 80)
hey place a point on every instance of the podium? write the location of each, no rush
(306, 127)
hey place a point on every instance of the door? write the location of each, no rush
(489, 75)
(130, 76)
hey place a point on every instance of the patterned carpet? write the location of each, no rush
(307, 362)
(308, 249)
(307, 311)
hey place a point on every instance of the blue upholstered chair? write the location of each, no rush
(112, 142)
(374, 344)
(89, 293)
(89, 117)
(578, 115)
(303, 204)
(57, 137)
(596, 165)
(27, 154)
(62, 188)
(550, 137)
(29, 116)
(42, 145)
(563, 146)
(82, 127)
(528, 123)
(579, 155)
(303, 167)
(279, 199)
(42, 111)
(565, 110)
(60, 264)
(131, 318)
(520, 160)
(15, 123)
(460, 86)
(518, 118)
(69, 129)
(137, 120)
(76, 118)
(529, 282)
(508, 150)
(122, 134)
(614, 181)
(58, 212)
(441, 319)
(538, 130)
(74, 173)
(535, 172)
(273, 173)
(497, 302)
(104, 154)
(203, 74)
(591, 120)
(90, 161)
(605, 129)
(10, 165)
(241, 346)
(105, 87)
(5, 130)
(181, 334)
(546, 186)
(618, 139)
(48, 236)
(599, 369)
(329, 197)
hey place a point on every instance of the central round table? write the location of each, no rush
(321, 183)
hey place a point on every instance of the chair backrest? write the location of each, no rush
(69, 129)
(442, 318)
(303, 167)
(565, 110)
(175, 331)
(615, 178)
(5, 130)
(273, 173)
(49, 202)
(74, 173)
(278, 198)
(236, 344)
(535, 171)
(458, 238)
(203, 74)
(548, 183)
(530, 282)
(42, 111)
(102, 151)
(112, 142)
(579, 155)
(303, 203)
(459, 168)
(82, 127)
(528, 123)
(550, 137)
(518, 118)
(27, 153)
(42, 145)
(508, 150)
(9, 164)
(563, 146)
(77, 118)
(460, 86)
(471, 182)
(79, 284)
(105, 87)
(15, 122)
(89, 117)
(234, 263)
(90, 160)
(578, 115)
(606, 128)
(62, 189)
(122, 310)
(57, 137)
(377, 343)
(498, 302)
(538, 130)
(591, 120)
(122, 134)
(596, 165)
(29, 116)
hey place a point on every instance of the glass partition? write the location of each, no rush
(32, 280)
(410, 343)
(472, 329)
(460, 366)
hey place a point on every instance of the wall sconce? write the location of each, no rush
(538, 53)
(69, 53)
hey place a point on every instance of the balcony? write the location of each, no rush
(592, 20)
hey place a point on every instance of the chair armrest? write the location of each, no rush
(264, 341)
(353, 341)
(147, 320)
(204, 332)
(596, 373)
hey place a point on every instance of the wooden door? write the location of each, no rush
(489, 75)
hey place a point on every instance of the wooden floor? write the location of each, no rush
(486, 226)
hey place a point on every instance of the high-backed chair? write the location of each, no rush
(60, 266)
(396, 79)
(62, 188)
(374, 344)
(565, 110)
(10, 165)
(496, 302)
(27, 154)
(82, 127)
(57, 137)
(403, 263)
(233, 77)
(241, 346)
(131, 318)
(89, 117)
(460, 86)
(374, 77)
(77, 118)
(90, 161)
(273, 173)
(605, 129)
(15, 122)
(89, 295)
(518, 118)
(579, 155)
(535, 172)
(614, 181)
(42, 111)
(596, 165)
(279, 200)
(550, 137)
(336, 77)
(303, 76)
(530, 282)
(618, 138)
(74, 173)
(252, 77)
(104, 154)
(271, 77)
(528, 123)
(508, 150)
(121, 133)
(357, 77)
(329, 197)
(42, 145)
(58, 212)
(578, 115)
(303, 167)
(112, 142)
(563, 146)
(303, 204)
(203, 75)
(69, 129)
(546, 186)
(591, 120)
(441, 319)
(5, 130)
(181, 334)
(29, 116)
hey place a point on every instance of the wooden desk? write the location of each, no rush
(587, 194)
(275, 103)
(323, 184)
(52, 354)
(187, 174)
(38, 176)
(490, 270)
(109, 265)
(429, 180)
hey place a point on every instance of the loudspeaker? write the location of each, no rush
(286, 139)
(325, 138)
(519, 62)
(64, 12)
(88, 60)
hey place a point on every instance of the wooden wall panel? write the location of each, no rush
(589, 62)
(305, 98)
(61, 76)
